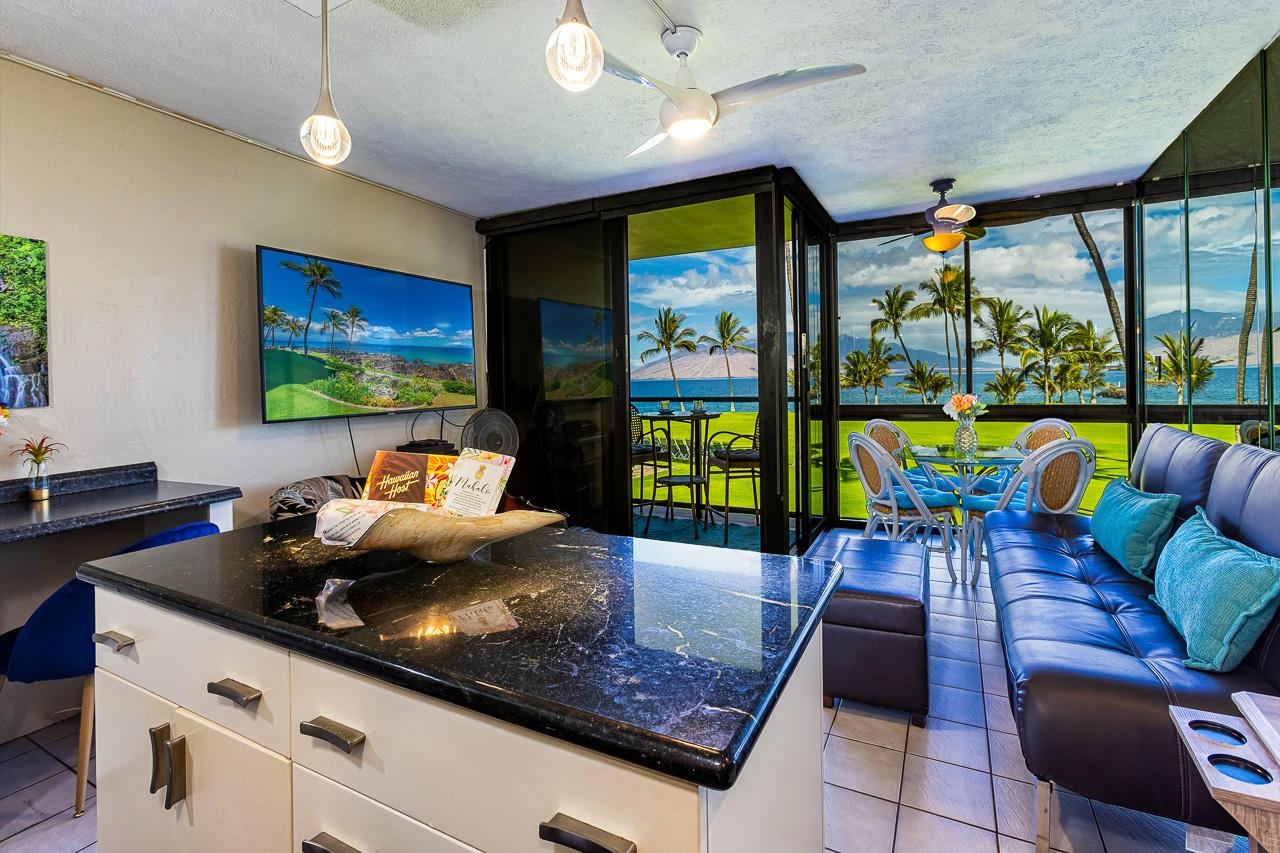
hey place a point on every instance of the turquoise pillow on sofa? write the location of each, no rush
(1132, 525)
(1218, 593)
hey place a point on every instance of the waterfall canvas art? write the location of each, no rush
(24, 338)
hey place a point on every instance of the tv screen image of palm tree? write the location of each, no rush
(341, 340)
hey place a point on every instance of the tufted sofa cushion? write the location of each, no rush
(1092, 662)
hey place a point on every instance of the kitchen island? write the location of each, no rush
(564, 684)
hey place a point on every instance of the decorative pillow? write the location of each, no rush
(1132, 526)
(1218, 593)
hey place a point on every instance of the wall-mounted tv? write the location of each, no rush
(577, 350)
(342, 340)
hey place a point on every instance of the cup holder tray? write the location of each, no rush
(1232, 760)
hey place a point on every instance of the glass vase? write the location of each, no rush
(966, 438)
(38, 486)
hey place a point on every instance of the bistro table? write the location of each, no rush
(696, 479)
(971, 471)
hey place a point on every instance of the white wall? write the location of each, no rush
(151, 223)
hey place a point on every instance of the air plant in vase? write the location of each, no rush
(38, 454)
(964, 409)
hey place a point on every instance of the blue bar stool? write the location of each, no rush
(57, 642)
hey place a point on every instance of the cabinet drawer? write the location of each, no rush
(321, 805)
(484, 782)
(177, 657)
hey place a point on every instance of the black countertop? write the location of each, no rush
(88, 498)
(665, 655)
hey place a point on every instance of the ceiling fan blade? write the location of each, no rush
(748, 94)
(901, 237)
(622, 70)
(973, 232)
(660, 136)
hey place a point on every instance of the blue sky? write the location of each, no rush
(401, 309)
(568, 328)
(699, 285)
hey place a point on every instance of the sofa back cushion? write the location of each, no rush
(1174, 461)
(1243, 503)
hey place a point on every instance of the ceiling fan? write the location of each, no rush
(689, 112)
(947, 224)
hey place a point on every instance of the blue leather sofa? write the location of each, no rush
(1092, 662)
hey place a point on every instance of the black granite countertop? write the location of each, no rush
(665, 655)
(88, 498)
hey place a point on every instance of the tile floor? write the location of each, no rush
(37, 792)
(959, 784)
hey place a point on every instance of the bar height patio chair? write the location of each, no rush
(738, 458)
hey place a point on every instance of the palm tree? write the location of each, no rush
(731, 334)
(672, 334)
(333, 324)
(354, 320)
(946, 300)
(1096, 353)
(1187, 362)
(273, 317)
(293, 326)
(1047, 339)
(319, 276)
(895, 311)
(1006, 386)
(1246, 326)
(1113, 305)
(924, 379)
(1002, 321)
(855, 373)
(880, 361)
(1069, 376)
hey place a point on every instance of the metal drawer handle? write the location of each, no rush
(326, 843)
(175, 759)
(583, 837)
(237, 691)
(113, 640)
(343, 737)
(159, 767)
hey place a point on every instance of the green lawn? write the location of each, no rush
(1110, 439)
(286, 377)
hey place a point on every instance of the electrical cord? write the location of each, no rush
(354, 456)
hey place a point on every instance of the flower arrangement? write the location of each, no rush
(964, 407)
(4, 418)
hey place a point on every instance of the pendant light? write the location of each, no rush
(324, 136)
(575, 56)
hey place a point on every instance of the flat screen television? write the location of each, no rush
(577, 350)
(343, 340)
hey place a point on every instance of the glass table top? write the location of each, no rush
(986, 455)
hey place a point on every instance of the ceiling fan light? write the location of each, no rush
(942, 242)
(575, 57)
(689, 127)
(955, 212)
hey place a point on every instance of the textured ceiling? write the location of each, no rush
(450, 99)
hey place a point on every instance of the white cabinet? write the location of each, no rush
(230, 793)
(425, 776)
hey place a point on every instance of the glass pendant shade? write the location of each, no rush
(323, 135)
(943, 242)
(575, 56)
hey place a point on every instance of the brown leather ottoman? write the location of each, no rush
(875, 646)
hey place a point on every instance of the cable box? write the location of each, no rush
(437, 446)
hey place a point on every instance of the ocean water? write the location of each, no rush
(1220, 390)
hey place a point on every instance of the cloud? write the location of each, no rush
(694, 288)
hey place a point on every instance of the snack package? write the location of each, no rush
(407, 477)
(476, 482)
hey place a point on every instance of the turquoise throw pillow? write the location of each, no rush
(1218, 593)
(1132, 525)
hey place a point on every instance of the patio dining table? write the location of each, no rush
(696, 479)
(971, 471)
